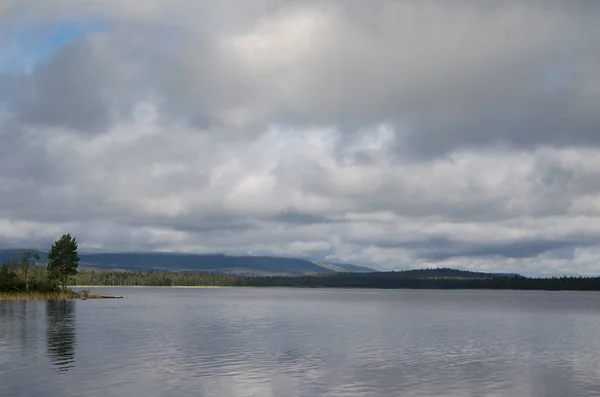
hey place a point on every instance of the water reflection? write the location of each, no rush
(60, 334)
(292, 343)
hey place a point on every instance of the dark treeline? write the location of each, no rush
(417, 279)
(157, 279)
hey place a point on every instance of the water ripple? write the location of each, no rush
(303, 343)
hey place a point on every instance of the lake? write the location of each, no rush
(303, 342)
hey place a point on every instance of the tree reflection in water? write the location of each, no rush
(60, 315)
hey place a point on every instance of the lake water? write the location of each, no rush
(284, 342)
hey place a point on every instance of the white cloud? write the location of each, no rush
(396, 135)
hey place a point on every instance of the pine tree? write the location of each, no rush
(63, 259)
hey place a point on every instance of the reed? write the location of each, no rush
(60, 295)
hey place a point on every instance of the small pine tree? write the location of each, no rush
(63, 259)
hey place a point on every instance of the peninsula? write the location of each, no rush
(24, 278)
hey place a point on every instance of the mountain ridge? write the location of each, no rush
(241, 265)
(173, 261)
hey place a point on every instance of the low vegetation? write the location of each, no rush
(54, 295)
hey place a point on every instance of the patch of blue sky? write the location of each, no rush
(24, 47)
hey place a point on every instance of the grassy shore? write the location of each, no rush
(61, 295)
(151, 286)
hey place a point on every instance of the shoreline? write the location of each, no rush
(324, 288)
(51, 296)
(152, 286)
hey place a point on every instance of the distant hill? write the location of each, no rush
(250, 265)
(8, 254)
(202, 263)
(446, 273)
(264, 265)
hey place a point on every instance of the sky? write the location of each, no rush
(393, 134)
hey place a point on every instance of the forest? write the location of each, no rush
(414, 279)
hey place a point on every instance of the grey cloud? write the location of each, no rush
(444, 248)
(21, 158)
(481, 75)
(67, 90)
(292, 215)
(338, 129)
(87, 86)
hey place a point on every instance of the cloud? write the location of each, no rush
(397, 135)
